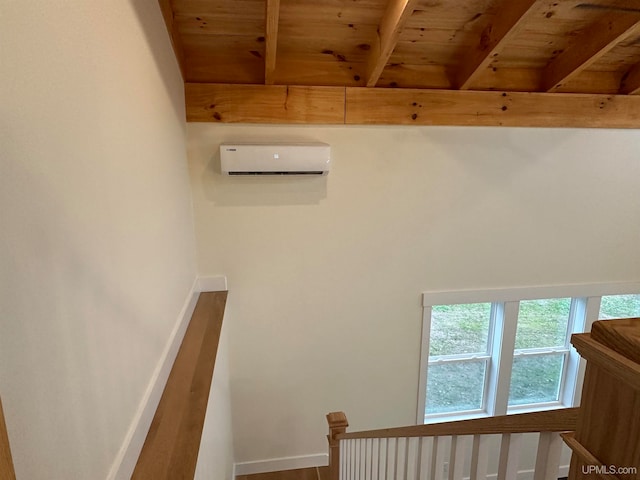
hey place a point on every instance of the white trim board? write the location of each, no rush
(127, 457)
(214, 283)
(512, 294)
(563, 471)
(279, 464)
(322, 460)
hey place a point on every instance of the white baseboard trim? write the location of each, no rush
(528, 474)
(216, 283)
(127, 457)
(278, 464)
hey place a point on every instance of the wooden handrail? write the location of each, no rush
(171, 448)
(620, 366)
(6, 462)
(586, 456)
(561, 420)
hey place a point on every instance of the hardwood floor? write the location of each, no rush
(315, 473)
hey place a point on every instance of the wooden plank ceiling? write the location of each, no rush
(526, 62)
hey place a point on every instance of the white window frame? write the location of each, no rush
(585, 308)
(469, 357)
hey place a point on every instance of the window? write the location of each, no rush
(458, 357)
(503, 351)
(541, 350)
(619, 306)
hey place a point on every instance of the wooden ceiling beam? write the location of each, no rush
(588, 47)
(395, 106)
(174, 36)
(480, 108)
(232, 103)
(630, 83)
(271, 39)
(509, 21)
(393, 20)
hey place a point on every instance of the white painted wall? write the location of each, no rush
(326, 274)
(97, 253)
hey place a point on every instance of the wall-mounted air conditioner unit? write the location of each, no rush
(275, 159)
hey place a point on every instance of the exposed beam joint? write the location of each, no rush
(395, 16)
(271, 39)
(588, 47)
(630, 83)
(509, 21)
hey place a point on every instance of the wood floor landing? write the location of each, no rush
(315, 473)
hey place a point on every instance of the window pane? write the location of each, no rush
(453, 387)
(543, 323)
(459, 329)
(620, 306)
(536, 379)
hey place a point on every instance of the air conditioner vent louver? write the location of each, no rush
(275, 159)
(318, 172)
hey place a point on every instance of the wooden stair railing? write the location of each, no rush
(337, 425)
(171, 448)
(173, 441)
(606, 444)
(421, 451)
(6, 462)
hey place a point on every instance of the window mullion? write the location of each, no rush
(591, 311)
(570, 371)
(504, 339)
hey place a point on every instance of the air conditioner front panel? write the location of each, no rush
(275, 159)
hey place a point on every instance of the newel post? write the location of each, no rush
(337, 424)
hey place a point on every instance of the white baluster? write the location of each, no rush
(368, 457)
(344, 459)
(548, 457)
(438, 456)
(375, 459)
(413, 458)
(363, 459)
(458, 452)
(509, 456)
(384, 447)
(354, 458)
(479, 457)
(391, 458)
(401, 459)
(347, 457)
(426, 449)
